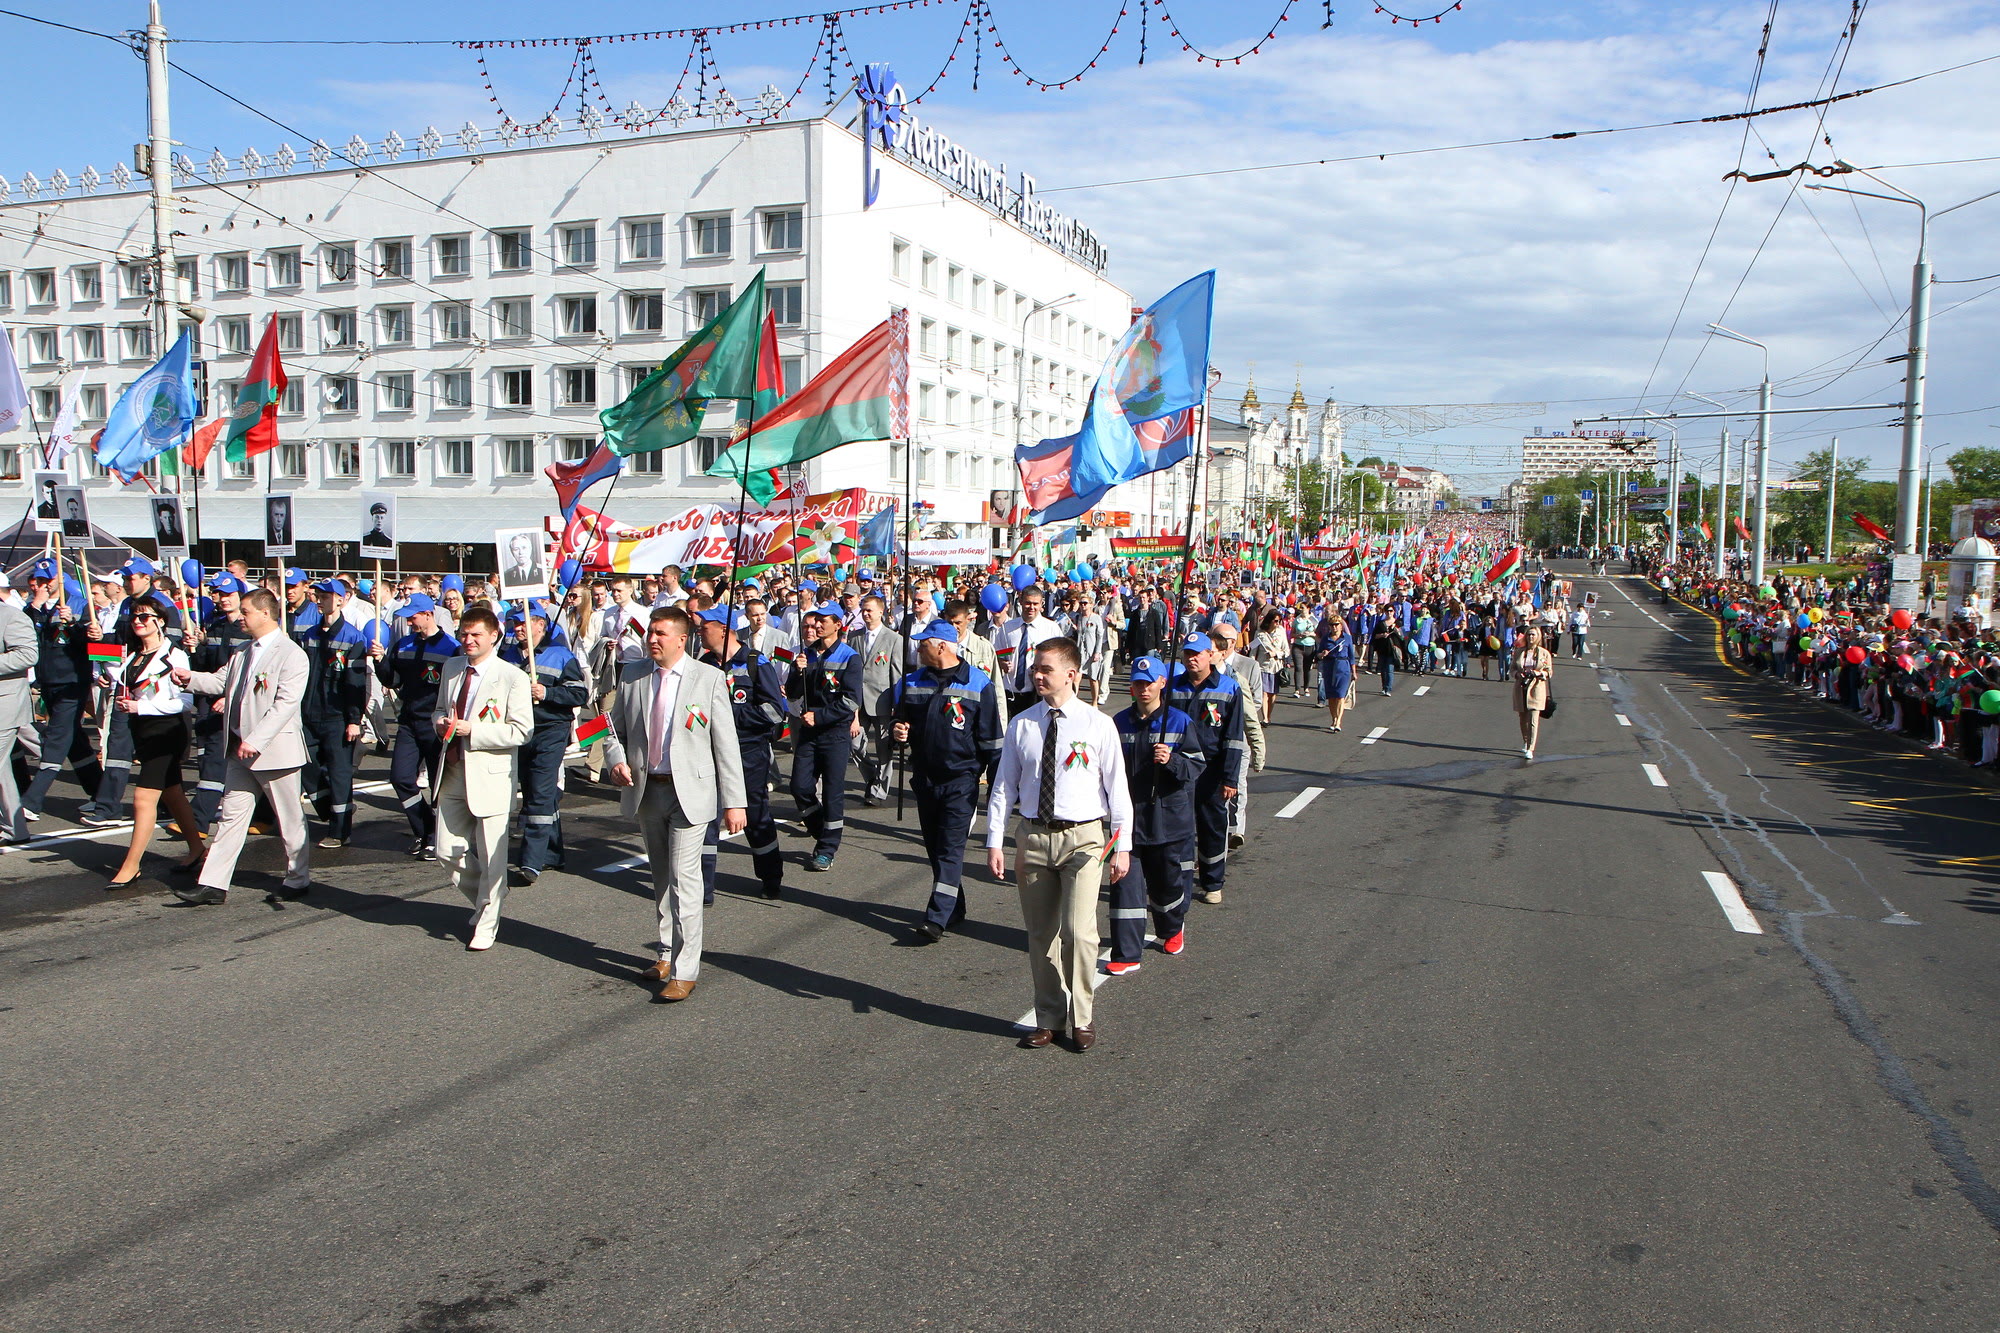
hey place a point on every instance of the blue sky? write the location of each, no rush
(1548, 272)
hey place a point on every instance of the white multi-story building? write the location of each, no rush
(455, 313)
(1565, 455)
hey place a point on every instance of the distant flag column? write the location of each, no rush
(253, 421)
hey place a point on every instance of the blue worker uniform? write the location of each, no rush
(829, 687)
(757, 702)
(62, 674)
(222, 637)
(1215, 719)
(559, 673)
(412, 669)
(1161, 879)
(302, 623)
(110, 794)
(336, 699)
(955, 736)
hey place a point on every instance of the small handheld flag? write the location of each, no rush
(107, 653)
(1871, 527)
(591, 732)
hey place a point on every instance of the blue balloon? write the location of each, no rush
(937, 600)
(1079, 575)
(994, 598)
(1024, 577)
(568, 572)
(1805, 622)
(191, 573)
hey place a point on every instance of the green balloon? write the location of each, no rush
(1989, 702)
(1767, 591)
(1730, 613)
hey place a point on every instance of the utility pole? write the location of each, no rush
(1722, 506)
(1763, 481)
(1742, 493)
(1832, 480)
(1674, 494)
(159, 171)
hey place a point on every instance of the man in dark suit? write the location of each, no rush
(882, 664)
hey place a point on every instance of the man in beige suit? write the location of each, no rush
(673, 746)
(262, 689)
(484, 711)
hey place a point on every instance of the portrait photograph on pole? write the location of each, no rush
(378, 525)
(279, 536)
(523, 570)
(169, 527)
(48, 512)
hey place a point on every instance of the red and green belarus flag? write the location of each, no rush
(253, 422)
(591, 732)
(105, 653)
(1506, 566)
(666, 408)
(1707, 533)
(861, 395)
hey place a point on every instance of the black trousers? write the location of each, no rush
(329, 775)
(819, 781)
(541, 793)
(944, 813)
(1211, 833)
(109, 797)
(1157, 887)
(760, 830)
(64, 737)
(411, 766)
(210, 733)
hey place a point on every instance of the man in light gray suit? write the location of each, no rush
(262, 689)
(673, 747)
(882, 665)
(20, 648)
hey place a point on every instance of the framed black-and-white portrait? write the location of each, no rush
(524, 571)
(75, 512)
(48, 511)
(169, 527)
(280, 537)
(378, 525)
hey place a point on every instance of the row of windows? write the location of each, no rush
(631, 314)
(572, 245)
(973, 291)
(955, 469)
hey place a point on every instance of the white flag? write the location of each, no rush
(62, 434)
(13, 393)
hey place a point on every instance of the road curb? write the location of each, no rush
(1945, 759)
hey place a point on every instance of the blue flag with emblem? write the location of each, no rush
(878, 534)
(152, 416)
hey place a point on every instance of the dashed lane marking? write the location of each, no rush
(1653, 776)
(1623, 720)
(1374, 735)
(1300, 802)
(1422, 690)
(1731, 901)
(1602, 686)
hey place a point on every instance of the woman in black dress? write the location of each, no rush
(160, 716)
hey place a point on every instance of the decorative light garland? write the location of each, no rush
(1414, 20)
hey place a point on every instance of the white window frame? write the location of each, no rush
(791, 218)
(703, 230)
(576, 244)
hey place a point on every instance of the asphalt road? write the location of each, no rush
(1472, 1044)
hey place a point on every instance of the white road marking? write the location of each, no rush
(124, 826)
(1422, 690)
(1602, 686)
(1731, 898)
(1300, 802)
(1374, 735)
(1653, 775)
(1623, 720)
(1650, 616)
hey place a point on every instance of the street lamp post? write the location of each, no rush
(1761, 532)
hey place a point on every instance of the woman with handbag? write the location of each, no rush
(160, 711)
(1533, 668)
(1272, 653)
(1305, 647)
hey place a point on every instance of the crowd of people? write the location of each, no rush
(233, 704)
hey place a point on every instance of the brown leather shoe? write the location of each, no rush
(1085, 1038)
(1037, 1039)
(660, 971)
(675, 990)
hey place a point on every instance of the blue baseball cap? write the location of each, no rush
(1149, 669)
(1196, 643)
(938, 628)
(224, 581)
(418, 602)
(722, 615)
(331, 585)
(45, 568)
(831, 609)
(138, 564)
(294, 577)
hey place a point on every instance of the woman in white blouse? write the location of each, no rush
(161, 714)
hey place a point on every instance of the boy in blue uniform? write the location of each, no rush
(1163, 760)
(948, 713)
(827, 689)
(412, 669)
(1213, 702)
(757, 702)
(62, 675)
(222, 637)
(336, 701)
(555, 680)
(138, 572)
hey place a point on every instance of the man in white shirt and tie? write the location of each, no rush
(484, 711)
(1063, 769)
(1016, 643)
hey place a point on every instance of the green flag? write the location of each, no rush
(666, 408)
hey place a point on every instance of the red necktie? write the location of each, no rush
(457, 748)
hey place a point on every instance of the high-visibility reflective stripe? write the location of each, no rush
(413, 799)
(209, 786)
(53, 768)
(539, 819)
(119, 764)
(1215, 860)
(342, 809)
(944, 890)
(759, 850)
(834, 824)
(1128, 914)
(1186, 865)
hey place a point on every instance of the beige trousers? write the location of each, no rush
(474, 849)
(1058, 875)
(1531, 726)
(241, 783)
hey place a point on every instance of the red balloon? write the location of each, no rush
(1856, 654)
(1901, 619)
(1906, 662)
(1805, 657)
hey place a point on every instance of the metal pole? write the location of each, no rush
(1763, 480)
(159, 171)
(1722, 507)
(1832, 479)
(1903, 592)
(1673, 495)
(1924, 543)
(1742, 495)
